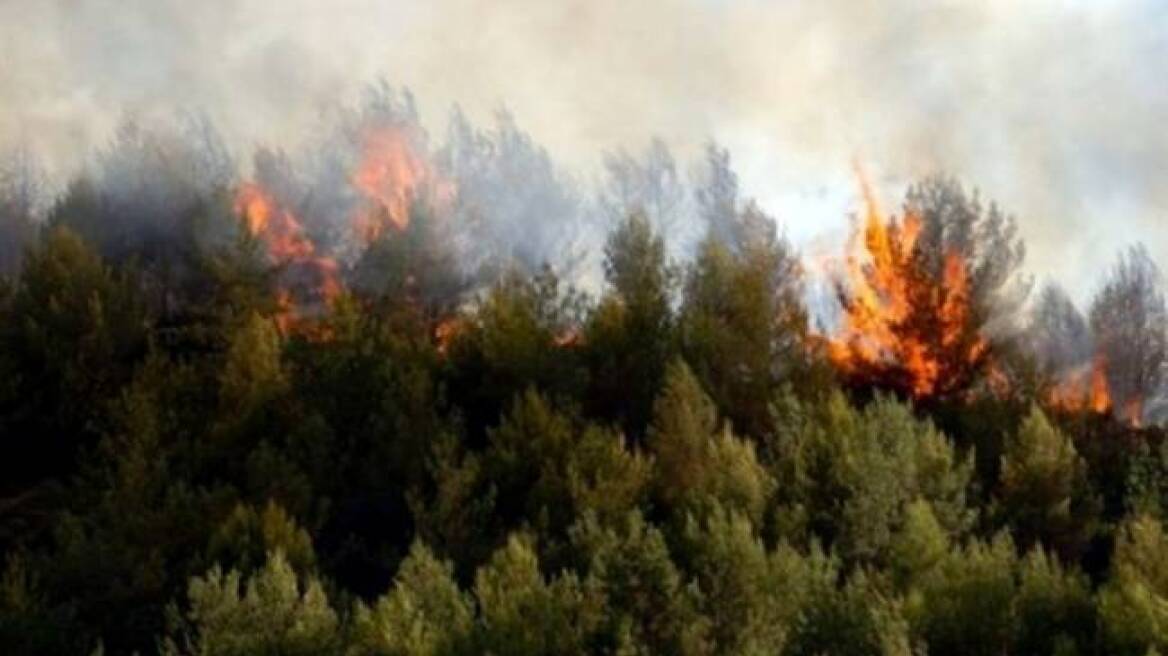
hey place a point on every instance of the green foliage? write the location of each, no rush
(365, 408)
(542, 467)
(1054, 608)
(918, 547)
(649, 609)
(526, 472)
(521, 613)
(253, 372)
(425, 614)
(635, 266)
(742, 323)
(457, 516)
(138, 523)
(1042, 491)
(1133, 605)
(852, 473)
(1146, 487)
(855, 619)
(697, 463)
(72, 332)
(629, 338)
(246, 536)
(965, 605)
(741, 326)
(29, 624)
(745, 593)
(514, 340)
(546, 464)
(272, 612)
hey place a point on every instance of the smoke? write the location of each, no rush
(1053, 109)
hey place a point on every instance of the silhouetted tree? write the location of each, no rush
(742, 324)
(648, 186)
(23, 193)
(630, 336)
(1059, 335)
(1130, 322)
(70, 336)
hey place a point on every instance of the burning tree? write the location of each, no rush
(927, 294)
(307, 277)
(1057, 333)
(1129, 320)
(368, 212)
(1115, 363)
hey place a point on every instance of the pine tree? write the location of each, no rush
(523, 614)
(1042, 494)
(699, 464)
(424, 614)
(1133, 605)
(629, 339)
(271, 612)
(648, 606)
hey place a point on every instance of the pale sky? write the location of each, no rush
(1057, 110)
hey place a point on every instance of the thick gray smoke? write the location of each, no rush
(1055, 109)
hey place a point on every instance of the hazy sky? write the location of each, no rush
(1059, 110)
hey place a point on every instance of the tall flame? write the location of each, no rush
(311, 277)
(392, 175)
(898, 316)
(276, 226)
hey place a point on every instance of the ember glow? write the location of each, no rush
(446, 331)
(904, 321)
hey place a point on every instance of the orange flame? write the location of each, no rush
(392, 175)
(1084, 390)
(569, 338)
(276, 227)
(289, 247)
(1133, 412)
(899, 317)
(446, 332)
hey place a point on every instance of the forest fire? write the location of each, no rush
(911, 322)
(307, 278)
(1088, 389)
(1083, 389)
(905, 322)
(392, 175)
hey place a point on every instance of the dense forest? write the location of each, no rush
(386, 396)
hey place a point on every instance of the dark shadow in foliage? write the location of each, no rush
(367, 409)
(523, 333)
(71, 333)
(630, 337)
